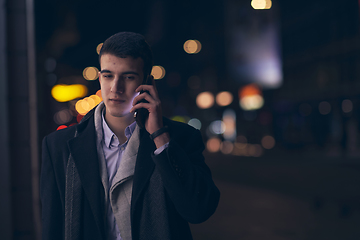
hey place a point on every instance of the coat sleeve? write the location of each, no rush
(187, 179)
(52, 207)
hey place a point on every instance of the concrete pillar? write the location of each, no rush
(5, 189)
(22, 120)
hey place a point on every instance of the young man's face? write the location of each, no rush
(119, 77)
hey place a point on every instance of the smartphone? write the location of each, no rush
(142, 113)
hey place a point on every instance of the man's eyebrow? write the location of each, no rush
(129, 72)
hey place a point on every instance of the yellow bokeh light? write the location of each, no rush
(179, 119)
(158, 72)
(192, 46)
(224, 98)
(85, 105)
(205, 100)
(91, 73)
(65, 93)
(79, 108)
(98, 48)
(96, 99)
(261, 4)
(213, 145)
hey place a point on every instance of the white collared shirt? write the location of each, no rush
(113, 153)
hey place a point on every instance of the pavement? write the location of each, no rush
(284, 197)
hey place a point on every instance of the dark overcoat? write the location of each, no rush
(190, 193)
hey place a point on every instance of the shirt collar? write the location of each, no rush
(109, 135)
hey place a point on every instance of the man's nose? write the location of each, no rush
(118, 85)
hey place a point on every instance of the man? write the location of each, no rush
(107, 178)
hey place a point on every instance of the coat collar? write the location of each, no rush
(84, 153)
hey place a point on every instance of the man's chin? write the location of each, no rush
(120, 114)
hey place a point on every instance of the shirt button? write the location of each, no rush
(122, 148)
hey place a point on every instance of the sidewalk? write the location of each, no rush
(286, 199)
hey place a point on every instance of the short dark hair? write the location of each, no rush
(124, 44)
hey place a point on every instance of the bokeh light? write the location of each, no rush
(241, 139)
(217, 127)
(62, 116)
(261, 4)
(226, 147)
(192, 46)
(250, 97)
(268, 142)
(324, 108)
(61, 127)
(91, 73)
(180, 119)
(196, 123)
(83, 106)
(205, 100)
(98, 93)
(158, 72)
(98, 48)
(257, 151)
(251, 102)
(347, 106)
(65, 93)
(224, 98)
(229, 120)
(213, 145)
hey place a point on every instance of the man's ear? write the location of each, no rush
(99, 77)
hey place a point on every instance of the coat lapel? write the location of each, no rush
(143, 169)
(83, 150)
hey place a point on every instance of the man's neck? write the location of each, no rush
(119, 124)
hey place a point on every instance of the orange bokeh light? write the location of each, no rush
(249, 90)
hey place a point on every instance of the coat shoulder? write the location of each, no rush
(179, 127)
(62, 134)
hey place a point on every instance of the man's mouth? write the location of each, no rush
(115, 100)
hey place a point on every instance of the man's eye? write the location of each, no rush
(107, 76)
(130, 77)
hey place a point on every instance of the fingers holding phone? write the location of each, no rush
(149, 101)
